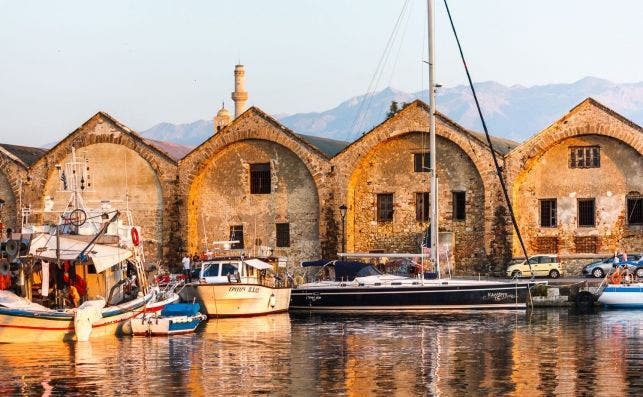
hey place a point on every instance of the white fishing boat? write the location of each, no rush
(358, 286)
(236, 286)
(173, 319)
(81, 254)
(621, 290)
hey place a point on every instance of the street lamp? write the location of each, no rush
(342, 213)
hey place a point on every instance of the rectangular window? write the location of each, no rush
(236, 233)
(422, 207)
(548, 213)
(584, 157)
(260, 178)
(459, 200)
(586, 213)
(635, 210)
(385, 207)
(421, 162)
(283, 234)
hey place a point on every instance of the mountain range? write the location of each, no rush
(513, 112)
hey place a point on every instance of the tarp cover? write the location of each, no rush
(348, 270)
(103, 256)
(180, 309)
(258, 264)
(318, 262)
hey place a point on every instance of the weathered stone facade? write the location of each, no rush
(180, 203)
(126, 170)
(382, 161)
(13, 173)
(215, 190)
(540, 169)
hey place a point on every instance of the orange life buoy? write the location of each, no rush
(135, 239)
(615, 278)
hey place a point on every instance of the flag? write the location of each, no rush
(63, 179)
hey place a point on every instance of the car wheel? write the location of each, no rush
(598, 273)
(516, 273)
(639, 272)
(554, 273)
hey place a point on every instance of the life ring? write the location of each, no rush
(135, 238)
(299, 280)
(615, 278)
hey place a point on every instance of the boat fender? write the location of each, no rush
(4, 268)
(615, 278)
(272, 301)
(12, 247)
(135, 237)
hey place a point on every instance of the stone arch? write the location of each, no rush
(414, 119)
(546, 153)
(13, 173)
(102, 129)
(255, 126)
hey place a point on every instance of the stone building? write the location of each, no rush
(577, 186)
(258, 183)
(126, 172)
(383, 180)
(14, 161)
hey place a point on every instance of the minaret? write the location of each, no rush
(221, 119)
(240, 95)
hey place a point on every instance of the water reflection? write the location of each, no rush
(546, 352)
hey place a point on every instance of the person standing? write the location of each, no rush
(186, 266)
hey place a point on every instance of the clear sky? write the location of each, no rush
(148, 61)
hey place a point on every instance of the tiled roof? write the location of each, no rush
(26, 154)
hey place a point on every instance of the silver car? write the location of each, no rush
(603, 266)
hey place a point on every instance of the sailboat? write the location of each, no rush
(357, 286)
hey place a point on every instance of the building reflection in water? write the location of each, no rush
(547, 352)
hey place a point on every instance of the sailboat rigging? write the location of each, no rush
(356, 286)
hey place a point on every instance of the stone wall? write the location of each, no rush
(13, 173)
(382, 162)
(539, 169)
(126, 169)
(215, 190)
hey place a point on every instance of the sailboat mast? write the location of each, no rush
(433, 199)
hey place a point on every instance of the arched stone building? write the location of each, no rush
(14, 161)
(380, 179)
(126, 170)
(257, 182)
(577, 186)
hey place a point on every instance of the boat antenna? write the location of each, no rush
(433, 210)
(486, 133)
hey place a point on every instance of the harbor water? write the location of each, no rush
(534, 353)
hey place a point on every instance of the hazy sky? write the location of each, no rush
(146, 62)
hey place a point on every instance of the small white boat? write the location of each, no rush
(175, 318)
(625, 296)
(238, 287)
(621, 291)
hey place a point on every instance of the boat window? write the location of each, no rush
(211, 270)
(368, 271)
(228, 268)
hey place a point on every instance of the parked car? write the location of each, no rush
(545, 265)
(634, 266)
(603, 266)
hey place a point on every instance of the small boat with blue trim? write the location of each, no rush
(621, 290)
(173, 319)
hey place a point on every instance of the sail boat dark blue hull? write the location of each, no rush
(433, 295)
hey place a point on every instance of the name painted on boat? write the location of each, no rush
(498, 296)
(244, 289)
